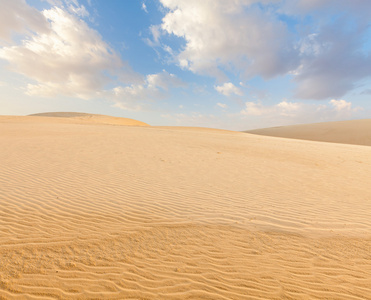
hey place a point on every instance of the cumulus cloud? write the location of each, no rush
(334, 55)
(284, 108)
(334, 63)
(287, 112)
(342, 105)
(139, 96)
(254, 109)
(164, 81)
(228, 89)
(288, 106)
(259, 115)
(18, 17)
(326, 57)
(70, 59)
(222, 35)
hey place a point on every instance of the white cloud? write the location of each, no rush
(139, 96)
(288, 106)
(18, 17)
(222, 105)
(156, 33)
(254, 109)
(326, 56)
(222, 34)
(71, 59)
(164, 80)
(228, 89)
(341, 105)
(130, 97)
(331, 61)
(283, 108)
(78, 10)
(285, 112)
(258, 115)
(144, 7)
(73, 6)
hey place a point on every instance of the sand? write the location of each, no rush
(84, 118)
(96, 211)
(357, 132)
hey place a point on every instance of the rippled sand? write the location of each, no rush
(119, 212)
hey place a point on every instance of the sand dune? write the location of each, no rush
(91, 118)
(117, 212)
(357, 132)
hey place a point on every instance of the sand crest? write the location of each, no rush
(84, 118)
(119, 212)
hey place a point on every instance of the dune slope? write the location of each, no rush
(116, 212)
(357, 132)
(91, 118)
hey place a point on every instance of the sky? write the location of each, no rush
(231, 64)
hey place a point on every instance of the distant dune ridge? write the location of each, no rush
(91, 118)
(357, 132)
(141, 212)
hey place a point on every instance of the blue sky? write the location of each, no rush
(237, 65)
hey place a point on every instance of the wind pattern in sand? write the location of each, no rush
(97, 211)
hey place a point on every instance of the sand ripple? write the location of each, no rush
(113, 212)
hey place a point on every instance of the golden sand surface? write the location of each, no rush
(357, 132)
(84, 118)
(118, 212)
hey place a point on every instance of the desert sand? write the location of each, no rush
(84, 118)
(97, 211)
(357, 132)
